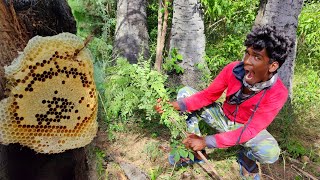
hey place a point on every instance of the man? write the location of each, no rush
(254, 96)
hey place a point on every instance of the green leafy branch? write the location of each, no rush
(172, 62)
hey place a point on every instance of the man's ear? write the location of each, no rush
(273, 66)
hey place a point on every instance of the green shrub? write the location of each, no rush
(131, 92)
(227, 23)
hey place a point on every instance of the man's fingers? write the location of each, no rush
(185, 141)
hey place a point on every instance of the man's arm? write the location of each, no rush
(210, 94)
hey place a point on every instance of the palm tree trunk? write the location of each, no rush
(187, 36)
(284, 16)
(131, 36)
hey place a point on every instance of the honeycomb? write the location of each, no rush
(51, 99)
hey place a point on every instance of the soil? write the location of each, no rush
(148, 154)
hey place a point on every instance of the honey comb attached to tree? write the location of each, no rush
(51, 103)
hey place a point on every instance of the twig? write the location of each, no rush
(294, 160)
(284, 167)
(208, 164)
(223, 19)
(215, 174)
(86, 41)
(267, 176)
(269, 169)
(174, 166)
(100, 97)
(303, 172)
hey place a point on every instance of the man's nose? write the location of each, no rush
(247, 59)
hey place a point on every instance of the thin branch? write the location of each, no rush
(284, 167)
(86, 42)
(303, 172)
(158, 61)
(214, 172)
(237, 12)
(268, 176)
(174, 166)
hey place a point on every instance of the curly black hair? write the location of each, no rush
(277, 45)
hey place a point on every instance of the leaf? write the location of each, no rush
(179, 57)
(183, 153)
(191, 156)
(176, 157)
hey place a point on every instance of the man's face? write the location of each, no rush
(257, 67)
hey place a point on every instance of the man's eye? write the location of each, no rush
(257, 57)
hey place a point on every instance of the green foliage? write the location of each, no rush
(306, 87)
(227, 23)
(171, 62)
(96, 17)
(309, 36)
(179, 151)
(282, 127)
(155, 172)
(131, 91)
(151, 149)
(221, 53)
(295, 149)
(100, 155)
(217, 9)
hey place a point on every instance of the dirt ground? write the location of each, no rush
(145, 154)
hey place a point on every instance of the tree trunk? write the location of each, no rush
(162, 31)
(46, 18)
(12, 40)
(187, 36)
(131, 36)
(284, 16)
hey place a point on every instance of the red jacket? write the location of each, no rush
(269, 107)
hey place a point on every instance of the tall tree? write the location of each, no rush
(131, 36)
(284, 16)
(187, 36)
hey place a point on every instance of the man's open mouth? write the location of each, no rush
(249, 75)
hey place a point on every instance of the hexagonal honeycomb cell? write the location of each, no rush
(51, 99)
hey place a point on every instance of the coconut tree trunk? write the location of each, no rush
(131, 36)
(284, 16)
(187, 36)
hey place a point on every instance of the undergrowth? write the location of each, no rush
(131, 92)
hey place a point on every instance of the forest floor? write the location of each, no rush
(146, 150)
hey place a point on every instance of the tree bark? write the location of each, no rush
(13, 38)
(131, 36)
(187, 36)
(284, 16)
(46, 18)
(162, 31)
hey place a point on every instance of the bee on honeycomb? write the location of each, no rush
(51, 99)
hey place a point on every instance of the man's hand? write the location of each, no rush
(194, 142)
(159, 109)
